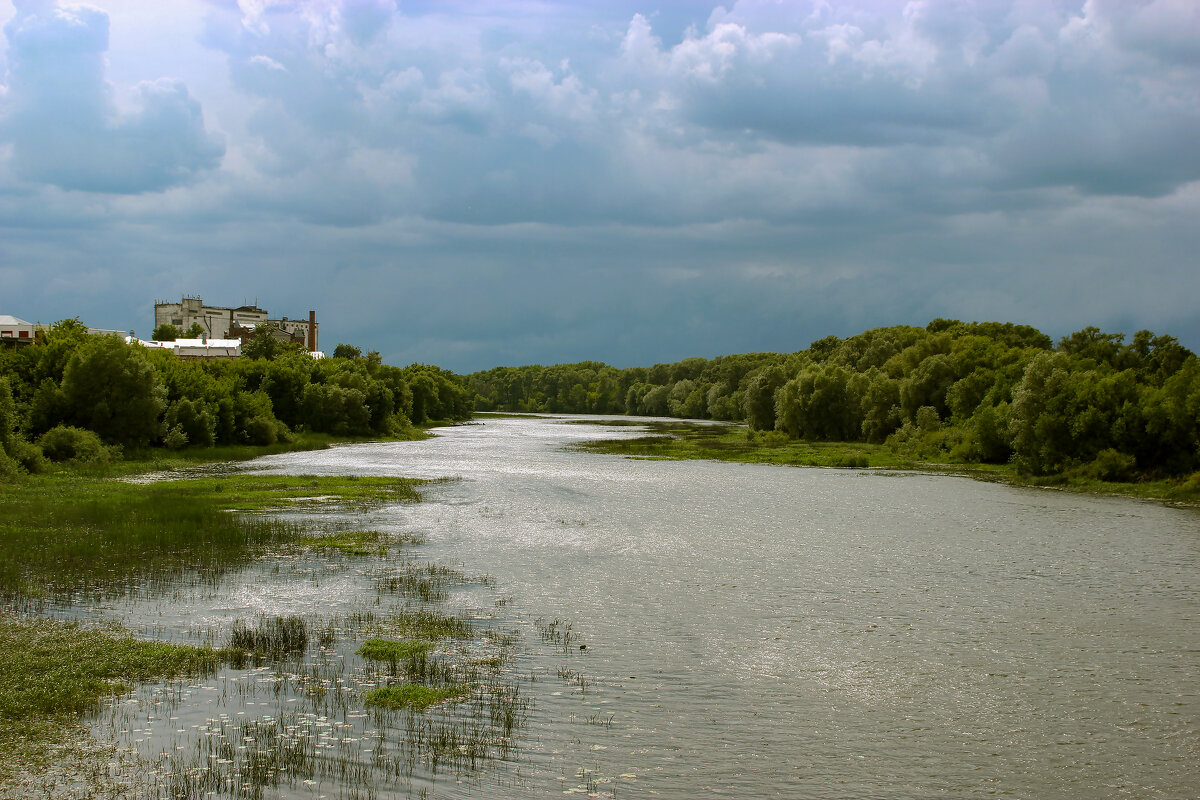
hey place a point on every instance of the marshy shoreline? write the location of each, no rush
(73, 539)
(704, 440)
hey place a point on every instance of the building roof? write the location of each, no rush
(191, 345)
(8, 319)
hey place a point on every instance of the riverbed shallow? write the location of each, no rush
(682, 629)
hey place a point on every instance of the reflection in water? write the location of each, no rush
(747, 630)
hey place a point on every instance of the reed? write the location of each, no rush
(272, 637)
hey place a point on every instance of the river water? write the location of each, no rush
(760, 631)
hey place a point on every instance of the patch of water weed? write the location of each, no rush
(54, 671)
(414, 696)
(390, 650)
(369, 748)
(423, 624)
(351, 543)
(55, 667)
(568, 675)
(558, 633)
(272, 637)
(426, 582)
(411, 658)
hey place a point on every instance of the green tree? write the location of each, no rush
(109, 387)
(265, 343)
(822, 402)
(166, 333)
(194, 419)
(759, 399)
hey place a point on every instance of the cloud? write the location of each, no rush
(475, 182)
(64, 124)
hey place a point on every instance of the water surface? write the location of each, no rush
(762, 631)
(757, 631)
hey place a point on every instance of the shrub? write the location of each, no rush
(194, 419)
(27, 455)
(175, 439)
(1112, 466)
(67, 443)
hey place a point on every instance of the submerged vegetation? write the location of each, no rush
(60, 534)
(1092, 409)
(88, 533)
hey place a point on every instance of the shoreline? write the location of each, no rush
(683, 440)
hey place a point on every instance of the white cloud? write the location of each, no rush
(62, 119)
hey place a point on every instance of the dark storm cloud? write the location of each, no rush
(475, 182)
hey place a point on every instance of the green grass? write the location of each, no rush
(413, 696)
(391, 650)
(423, 624)
(673, 440)
(351, 543)
(681, 440)
(52, 672)
(52, 667)
(61, 533)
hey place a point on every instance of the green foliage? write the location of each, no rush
(823, 402)
(166, 333)
(980, 392)
(266, 342)
(109, 387)
(78, 445)
(347, 351)
(759, 398)
(1112, 466)
(193, 420)
(175, 438)
(135, 397)
(10, 442)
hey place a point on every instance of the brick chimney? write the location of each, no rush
(312, 331)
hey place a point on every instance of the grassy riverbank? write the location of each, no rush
(88, 533)
(675, 439)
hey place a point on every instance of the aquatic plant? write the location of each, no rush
(273, 636)
(351, 543)
(414, 696)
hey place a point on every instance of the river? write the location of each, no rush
(757, 631)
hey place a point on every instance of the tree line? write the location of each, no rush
(1092, 404)
(75, 396)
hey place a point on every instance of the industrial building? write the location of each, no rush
(220, 322)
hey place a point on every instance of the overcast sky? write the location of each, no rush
(473, 183)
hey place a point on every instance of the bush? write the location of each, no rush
(175, 439)
(27, 455)
(1112, 466)
(67, 443)
(194, 420)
